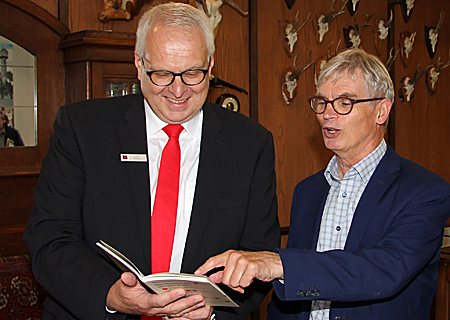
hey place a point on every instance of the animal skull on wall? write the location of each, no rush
(211, 9)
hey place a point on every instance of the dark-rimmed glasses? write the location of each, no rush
(342, 105)
(163, 78)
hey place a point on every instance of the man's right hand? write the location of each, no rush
(128, 296)
(241, 267)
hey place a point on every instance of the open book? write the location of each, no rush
(163, 282)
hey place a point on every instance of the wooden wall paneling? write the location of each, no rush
(16, 194)
(232, 54)
(272, 112)
(232, 62)
(111, 72)
(421, 125)
(91, 57)
(83, 15)
(49, 5)
(78, 87)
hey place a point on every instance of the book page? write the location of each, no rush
(119, 259)
(192, 284)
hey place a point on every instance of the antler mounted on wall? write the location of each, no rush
(323, 21)
(212, 9)
(291, 31)
(431, 36)
(352, 6)
(406, 91)
(406, 6)
(321, 62)
(352, 34)
(406, 45)
(391, 59)
(381, 32)
(433, 75)
(290, 78)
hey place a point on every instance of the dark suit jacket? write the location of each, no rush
(85, 193)
(388, 268)
(13, 134)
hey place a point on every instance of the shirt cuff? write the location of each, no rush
(109, 310)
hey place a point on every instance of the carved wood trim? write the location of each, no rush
(40, 14)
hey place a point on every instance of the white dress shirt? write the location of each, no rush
(190, 139)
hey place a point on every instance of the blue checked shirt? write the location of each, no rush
(340, 206)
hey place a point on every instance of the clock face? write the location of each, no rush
(229, 101)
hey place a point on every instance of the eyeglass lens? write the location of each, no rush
(189, 77)
(341, 105)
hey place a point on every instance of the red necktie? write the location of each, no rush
(164, 214)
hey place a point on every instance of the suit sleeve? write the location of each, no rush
(400, 248)
(62, 263)
(262, 231)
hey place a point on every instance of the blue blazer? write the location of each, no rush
(389, 266)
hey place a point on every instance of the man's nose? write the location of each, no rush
(178, 88)
(329, 111)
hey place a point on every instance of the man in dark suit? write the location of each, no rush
(99, 177)
(365, 233)
(9, 136)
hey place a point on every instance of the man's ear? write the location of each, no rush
(211, 64)
(383, 110)
(138, 64)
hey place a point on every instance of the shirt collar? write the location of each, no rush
(363, 168)
(154, 124)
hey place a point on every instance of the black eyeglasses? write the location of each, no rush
(165, 78)
(341, 105)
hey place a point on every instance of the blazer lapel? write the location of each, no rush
(380, 181)
(133, 138)
(313, 201)
(213, 153)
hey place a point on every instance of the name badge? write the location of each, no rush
(130, 157)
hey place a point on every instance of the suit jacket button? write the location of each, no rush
(316, 293)
(301, 293)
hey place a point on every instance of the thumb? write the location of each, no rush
(128, 279)
(216, 277)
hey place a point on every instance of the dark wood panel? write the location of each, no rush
(11, 243)
(232, 62)
(16, 196)
(91, 57)
(51, 6)
(421, 125)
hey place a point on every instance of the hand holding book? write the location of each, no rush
(164, 282)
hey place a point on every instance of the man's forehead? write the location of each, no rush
(351, 81)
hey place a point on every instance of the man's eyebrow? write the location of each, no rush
(342, 95)
(347, 95)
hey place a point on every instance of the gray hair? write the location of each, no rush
(377, 79)
(178, 15)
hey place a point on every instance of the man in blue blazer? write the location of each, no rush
(365, 232)
(97, 182)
